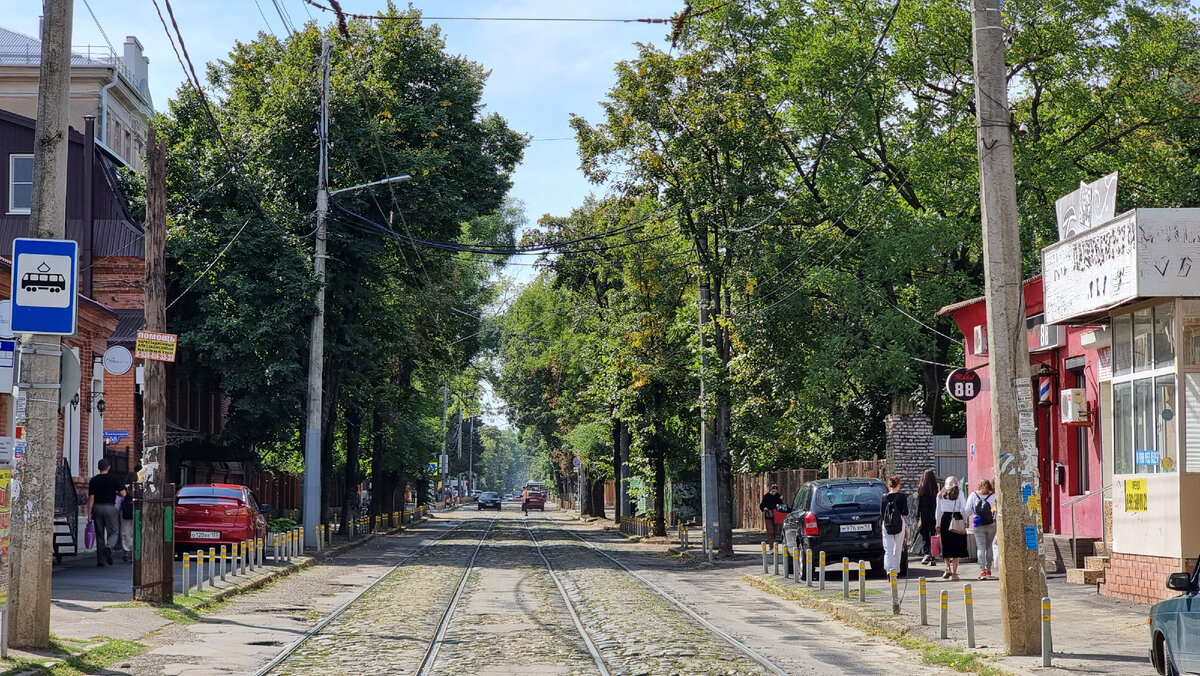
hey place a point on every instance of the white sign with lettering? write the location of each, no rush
(1091, 205)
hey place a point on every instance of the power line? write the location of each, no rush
(336, 9)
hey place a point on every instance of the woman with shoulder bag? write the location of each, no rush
(927, 496)
(952, 527)
(981, 507)
(769, 503)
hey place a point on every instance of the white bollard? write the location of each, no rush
(970, 615)
(766, 565)
(924, 607)
(808, 566)
(1047, 637)
(187, 565)
(212, 567)
(845, 577)
(821, 587)
(944, 601)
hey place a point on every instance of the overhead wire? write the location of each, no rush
(379, 17)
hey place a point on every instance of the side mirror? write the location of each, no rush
(1179, 582)
(265, 509)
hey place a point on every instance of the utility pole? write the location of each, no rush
(33, 489)
(156, 561)
(444, 460)
(316, 350)
(708, 459)
(471, 456)
(1023, 582)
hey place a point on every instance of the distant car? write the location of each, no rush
(211, 515)
(490, 500)
(1175, 627)
(476, 493)
(841, 518)
(534, 501)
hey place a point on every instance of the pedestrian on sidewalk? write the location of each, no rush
(927, 496)
(103, 490)
(952, 527)
(893, 508)
(982, 508)
(126, 510)
(769, 503)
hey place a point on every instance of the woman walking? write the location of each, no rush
(952, 526)
(927, 495)
(981, 506)
(769, 503)
(893, 508)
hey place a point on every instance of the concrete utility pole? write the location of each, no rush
(708, 459)
(316, 350)
(155, 573)
(33, 490)
(444, 460)
(1022, 579)
(471, 456)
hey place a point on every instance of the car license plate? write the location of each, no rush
(205, 535)
(856, 528)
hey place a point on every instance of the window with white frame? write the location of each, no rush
(1145, 407)
(20, 183)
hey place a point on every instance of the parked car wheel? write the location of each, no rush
(1169, 668)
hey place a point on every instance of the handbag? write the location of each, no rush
(89, 535)
(957, 524)
(935, 546)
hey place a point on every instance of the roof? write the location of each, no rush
(19, 49)
(129, 322)
(955, 307)
(845, 480)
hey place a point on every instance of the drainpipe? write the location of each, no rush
(104, 109)
(88, 223)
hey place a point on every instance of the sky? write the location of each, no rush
(541, 72)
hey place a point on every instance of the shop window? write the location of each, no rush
(1189, 353)
(1164, 335)
(1142, 340)
(1123, 428)
(20, 183)
(1122, 348)
(1144, 425)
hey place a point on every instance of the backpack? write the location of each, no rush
(893, 520)
(983, 512)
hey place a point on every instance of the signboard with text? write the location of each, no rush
(155, 346)
(44, 278)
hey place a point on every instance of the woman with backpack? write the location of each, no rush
(982, 508)
(952, 527)
(927, 495)
(893, 508)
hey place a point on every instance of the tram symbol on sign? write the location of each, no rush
(43, 279)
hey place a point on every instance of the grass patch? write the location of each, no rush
(850, 612)
(75, 658)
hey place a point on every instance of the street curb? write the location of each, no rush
(303, 563)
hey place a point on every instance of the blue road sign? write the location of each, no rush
(44, 279)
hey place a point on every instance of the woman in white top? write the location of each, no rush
(981, 513)
(954, 545)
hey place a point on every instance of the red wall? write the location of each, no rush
(1057, 443)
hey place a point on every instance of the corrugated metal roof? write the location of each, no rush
(129, 322)
(18, 49)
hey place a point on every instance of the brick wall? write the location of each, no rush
(909, 447)
(118, 282)
(1139, 578)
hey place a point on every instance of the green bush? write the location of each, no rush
(281, 524)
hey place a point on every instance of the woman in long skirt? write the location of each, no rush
(951, 505)
(927, 522)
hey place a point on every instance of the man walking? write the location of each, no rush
(103, 490)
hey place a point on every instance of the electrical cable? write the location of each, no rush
(377, 17)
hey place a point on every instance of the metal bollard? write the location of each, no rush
(299, 542)
(862, 581)
(775, 559)
(944, 600)
(1047, 638)
(821, 587)
(261, 545)
(766, 567)
(212, 567)
(796, 564)
(224, 561)
(199, 570)
(924, 608)
(187, 566)
(845, 577)
(970, 616)
(808, 566)
(243, 557)
(893, 579)
(275, 555)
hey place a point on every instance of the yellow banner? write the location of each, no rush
(155, 346)
(1136, 496)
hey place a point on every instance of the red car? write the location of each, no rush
(211, 515)
(534, 500)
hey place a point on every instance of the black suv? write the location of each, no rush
(489, 500)
(840, 517)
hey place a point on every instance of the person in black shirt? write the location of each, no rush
(927, 493)
(103, 490)
(769, 503)
(893, 508)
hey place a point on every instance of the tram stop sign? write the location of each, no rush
(44, 278)
(963, 384)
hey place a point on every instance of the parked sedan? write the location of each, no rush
(534, 500)
(489, 500)
(841, 518)
(211, 515)
(1175, 627)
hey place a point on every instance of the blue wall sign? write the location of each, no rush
(115, 436)
(1146, 457)
(44, 279)
(1031, 537)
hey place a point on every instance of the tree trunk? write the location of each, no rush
(660, 485)
(593, 493)
(353, 436)
(618, 429)
(379, 485)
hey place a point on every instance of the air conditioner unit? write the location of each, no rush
(1073, 403)
(979, 345)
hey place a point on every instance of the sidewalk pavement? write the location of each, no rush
(1092, 634)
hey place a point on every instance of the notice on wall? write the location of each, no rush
(155, 346)
(1136, 496)
(1031, 537)
(5, 482)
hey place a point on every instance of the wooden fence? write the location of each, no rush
(875, 468)
(748, 490)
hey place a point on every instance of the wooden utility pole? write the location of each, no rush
(156, 581)
(32, 534)
(1022, 579)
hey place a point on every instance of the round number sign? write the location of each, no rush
(963, 384)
